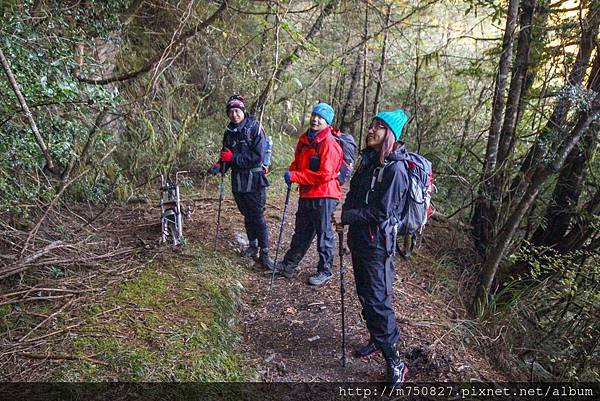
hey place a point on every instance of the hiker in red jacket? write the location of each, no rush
(317, 161)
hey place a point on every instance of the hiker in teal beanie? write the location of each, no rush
(378, 191)
(316, 165)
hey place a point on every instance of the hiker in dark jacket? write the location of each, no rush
(316, 164)
(372, 208)
(243, 151)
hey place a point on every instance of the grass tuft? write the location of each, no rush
(174, 324)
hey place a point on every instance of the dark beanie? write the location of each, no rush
(236, 102)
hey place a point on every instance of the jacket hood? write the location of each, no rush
(399, 154)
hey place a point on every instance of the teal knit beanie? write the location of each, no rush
(325, 111)
(395, 120)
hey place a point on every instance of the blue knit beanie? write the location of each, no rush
(325, 111)
(395, 120)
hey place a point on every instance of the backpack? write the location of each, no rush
(266, 161)
(348, 145)
(418, 208)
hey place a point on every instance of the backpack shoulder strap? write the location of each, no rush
(382, 168)
(252, 130)
(380, 173)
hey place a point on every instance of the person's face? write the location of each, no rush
(376, 134)
(317, 123)
(236, 115)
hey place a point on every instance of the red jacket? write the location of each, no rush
(322, 183)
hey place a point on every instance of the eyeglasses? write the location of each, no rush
(375, 126)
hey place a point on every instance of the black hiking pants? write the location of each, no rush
(373, 278)
(252, 206)
(313, 218)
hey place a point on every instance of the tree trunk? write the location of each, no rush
(589, 31)
(514, 103)
(36, 133)
(583, 229)
(484, 217)
(343, 121)
(415, 92)
(562, 208)
(538, 178)
(363, 117)
(515, 93)
(382, 63)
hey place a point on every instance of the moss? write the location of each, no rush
(146, 290)
(173, 324)
(5, 310)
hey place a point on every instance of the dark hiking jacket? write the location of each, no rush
(247, 142)
(370, 213)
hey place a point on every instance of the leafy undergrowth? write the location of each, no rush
(174, 321)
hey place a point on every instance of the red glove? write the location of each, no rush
(226, 155)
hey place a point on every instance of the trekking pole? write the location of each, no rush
(285, 206)
(221, 196)
(342, 292)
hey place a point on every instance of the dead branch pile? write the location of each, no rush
(51, 273)
(60, 239)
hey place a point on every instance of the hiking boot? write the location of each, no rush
(250, 252)
(396, 369)
(320, 278)
(265, 260)
(284, 269)
(366, 350)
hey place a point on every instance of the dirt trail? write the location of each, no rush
(293, 333)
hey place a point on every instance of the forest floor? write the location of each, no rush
(293, 331)
(193, 314)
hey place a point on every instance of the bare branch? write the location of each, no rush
(32, 124)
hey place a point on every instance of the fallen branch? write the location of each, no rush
(46, 320)
(54, 333)
(24, 263)
(62, 357)
(34, 289)
(48, 298)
